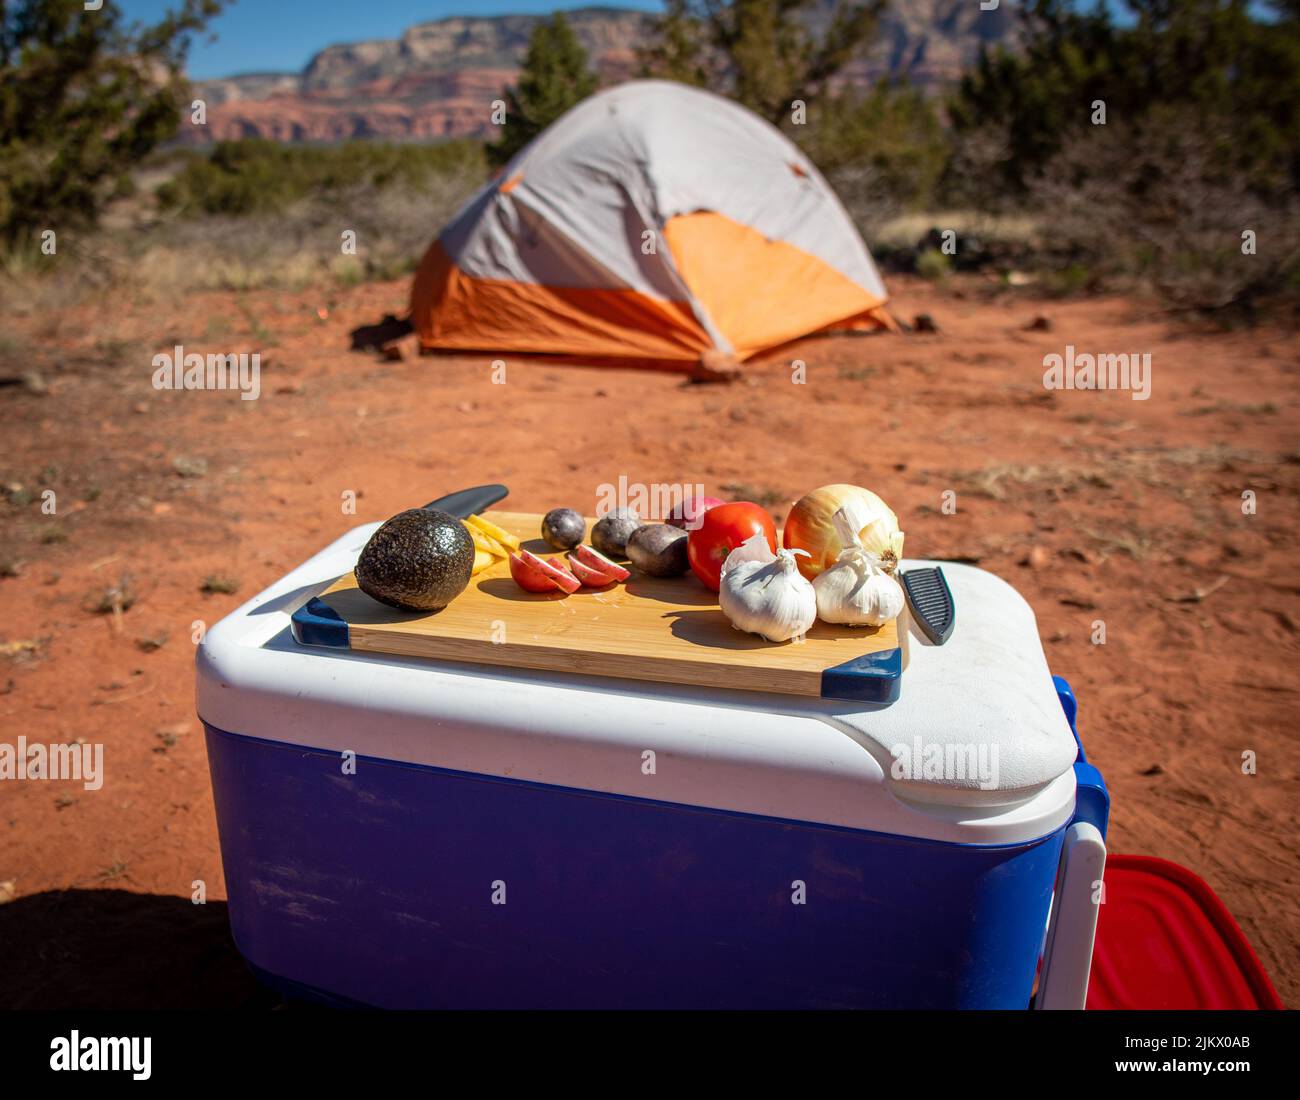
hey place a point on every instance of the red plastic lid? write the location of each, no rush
(1165, 940)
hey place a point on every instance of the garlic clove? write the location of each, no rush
(754, 548)
(851, 519)
(869, 529)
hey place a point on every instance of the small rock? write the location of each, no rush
(402, 349)
(188, 466)
(923, 322)
(149, 643)
(1037, 558)
(8, 891)
(1155, 769)
(1039, 324)
(715, 366)
(168, 736)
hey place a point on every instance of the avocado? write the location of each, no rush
(420, 560)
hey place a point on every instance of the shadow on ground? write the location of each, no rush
(112, 949)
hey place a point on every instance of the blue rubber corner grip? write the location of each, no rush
(873, 678)
(1091, 798)
(316, 623)
(1070, 705)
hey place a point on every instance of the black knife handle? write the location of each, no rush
(930, 599)
(468, 502)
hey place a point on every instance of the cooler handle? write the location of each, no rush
(1072, 927)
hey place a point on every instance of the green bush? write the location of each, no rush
(84, 98)
(555, 77)
(1212, 64)
(240, 178)
(765, 54)
(933, 265)
(883, 151)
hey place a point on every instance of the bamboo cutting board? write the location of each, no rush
(668, 631)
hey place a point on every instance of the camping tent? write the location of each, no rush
(653, 221)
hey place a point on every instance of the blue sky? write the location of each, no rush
(256, 35)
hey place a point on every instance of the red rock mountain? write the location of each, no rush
(440, 79)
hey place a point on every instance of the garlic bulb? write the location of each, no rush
(870, 530)
(858, 589)
(764, 593)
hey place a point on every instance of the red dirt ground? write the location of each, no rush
(1094, 505)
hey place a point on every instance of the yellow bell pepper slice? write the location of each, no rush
(486, 544)
(505, 538)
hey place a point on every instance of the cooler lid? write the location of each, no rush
(976, 749)
(1166, 941)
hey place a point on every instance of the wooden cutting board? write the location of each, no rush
(669, 631)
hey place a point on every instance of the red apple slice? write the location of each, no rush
(560, 577)
(591, 578)
(594, 559)
(529, 578)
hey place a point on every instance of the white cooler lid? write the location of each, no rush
(976, 750)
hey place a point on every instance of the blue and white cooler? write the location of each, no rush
(406, 832)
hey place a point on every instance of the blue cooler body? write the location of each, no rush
(414, 834)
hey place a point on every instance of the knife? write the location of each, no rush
(468, 502)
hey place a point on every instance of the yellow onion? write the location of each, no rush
(811, 527)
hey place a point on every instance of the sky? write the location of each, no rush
(282, 35)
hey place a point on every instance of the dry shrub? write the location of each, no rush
(1161, 204)
(157, 257)
(866, 195)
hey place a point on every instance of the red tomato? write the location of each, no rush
(721, 530)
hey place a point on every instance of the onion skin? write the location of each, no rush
(810, 526)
